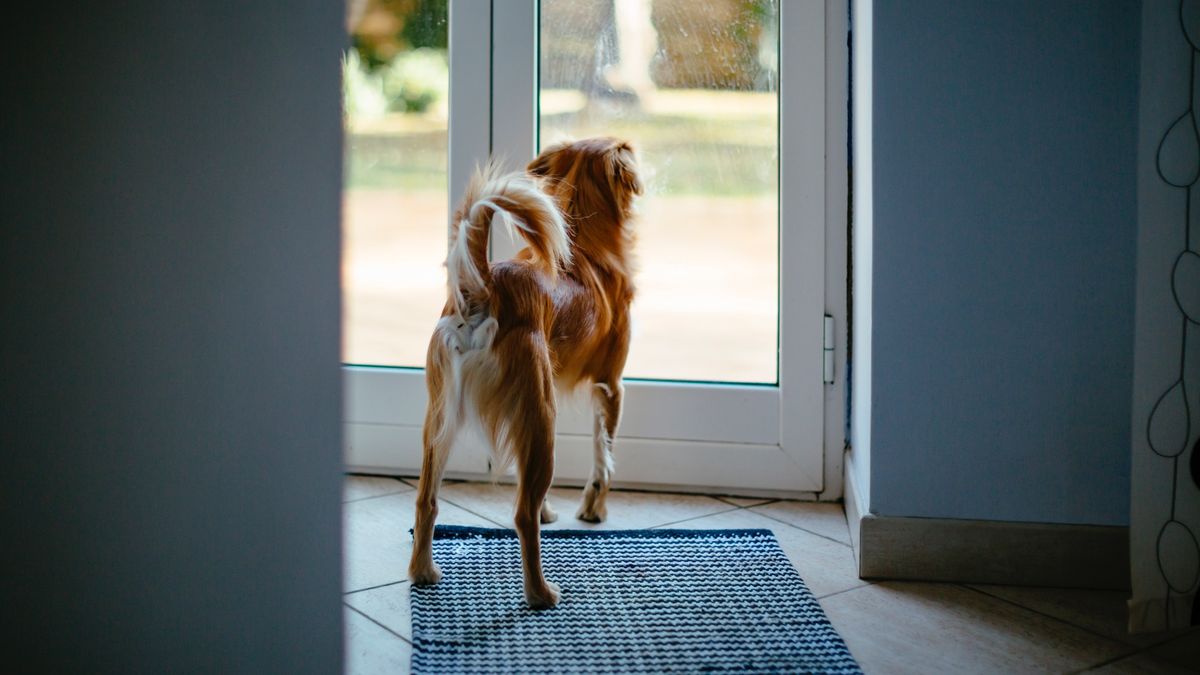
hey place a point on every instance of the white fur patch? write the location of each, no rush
(602, 459)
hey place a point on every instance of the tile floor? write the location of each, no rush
(891, 627)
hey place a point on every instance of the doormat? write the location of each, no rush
(633, 601)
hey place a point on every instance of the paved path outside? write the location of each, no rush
(706, 308)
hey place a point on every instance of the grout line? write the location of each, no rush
(1120, 657)
(1085, 629)
(731, 509)
(1141, 650)
(477, 515)
(368, 618)
(803, 529)
(387, 494)
(371, 588)
(741, 508)
(845, 590)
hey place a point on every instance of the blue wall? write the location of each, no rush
(1004, 259)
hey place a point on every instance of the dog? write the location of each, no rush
(555, 315)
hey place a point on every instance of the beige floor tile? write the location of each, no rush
(1102, 612)
(377, 542)
(364, 487)
(388, 605)
(1179, 655)
(826, 566)
(897, 627)
(626, 510)
(371, 650)
(827, 520)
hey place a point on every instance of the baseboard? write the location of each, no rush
(987, 551)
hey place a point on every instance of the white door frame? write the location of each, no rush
(745, 439)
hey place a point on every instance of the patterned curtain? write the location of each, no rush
(1165, 509)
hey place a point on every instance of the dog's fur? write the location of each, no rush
(556, 314)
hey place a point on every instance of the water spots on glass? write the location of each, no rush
(693, 83)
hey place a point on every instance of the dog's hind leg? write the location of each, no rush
(441, 422)
(535, 470)
(531, 433)
(606, 410)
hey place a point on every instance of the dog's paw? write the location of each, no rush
(591, 513)
(548, 514)
(426, 575)
(544, 598)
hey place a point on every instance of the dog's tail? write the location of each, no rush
(520, 204)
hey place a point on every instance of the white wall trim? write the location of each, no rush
(740, 469)
(863, 243)
(803, 209)
(837, 115)
(470, 91)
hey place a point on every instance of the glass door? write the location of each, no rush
(695, 86)
(396, 80)
(725, 101)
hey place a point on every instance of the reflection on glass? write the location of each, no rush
(694, 84)
(395, 203)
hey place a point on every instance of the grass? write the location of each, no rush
(691, 143)
(404, 161)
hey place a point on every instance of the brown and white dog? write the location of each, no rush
(555, 314)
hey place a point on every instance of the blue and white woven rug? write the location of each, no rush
(633, 601)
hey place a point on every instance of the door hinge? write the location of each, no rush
(828, 349)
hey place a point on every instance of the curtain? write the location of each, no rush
(1165, 469)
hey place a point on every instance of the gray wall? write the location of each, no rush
(1004, 241)
(170, 384)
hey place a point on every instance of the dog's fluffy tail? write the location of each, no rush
(519, 203)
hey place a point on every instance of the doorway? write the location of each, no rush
(725, 101)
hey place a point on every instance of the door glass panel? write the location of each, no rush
(396, 82)
(693, 83)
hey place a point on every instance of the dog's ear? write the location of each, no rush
(623, 168)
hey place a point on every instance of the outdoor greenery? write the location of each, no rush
(386, 28)
(408, 161)
(710, 141)
(734, 157)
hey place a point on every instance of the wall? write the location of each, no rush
(1003, 241)
(170, 497)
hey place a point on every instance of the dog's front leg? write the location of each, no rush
(606, 410)
(548, 513)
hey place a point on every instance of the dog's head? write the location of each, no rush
(591, 177)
